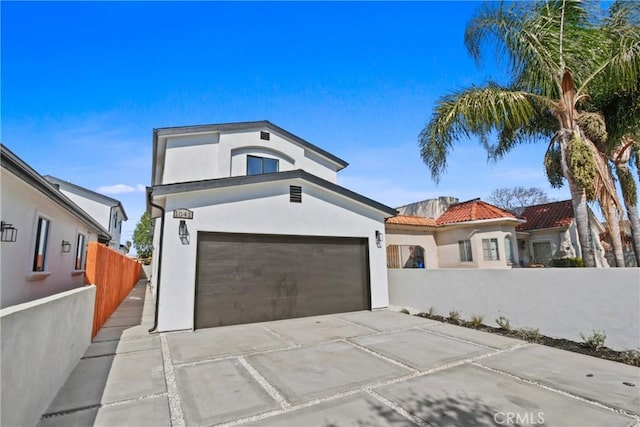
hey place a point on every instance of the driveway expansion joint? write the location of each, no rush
(464, 340)
(382, 356)
(397, 408)
(275, 394)
(601, 405)
(281, 337)
(102, 405)
(175, 404)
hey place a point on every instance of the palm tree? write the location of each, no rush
(554, 52)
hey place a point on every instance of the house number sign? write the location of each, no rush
(183, 214)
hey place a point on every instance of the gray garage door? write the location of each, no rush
(247, 278)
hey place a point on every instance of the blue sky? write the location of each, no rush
(84, 84)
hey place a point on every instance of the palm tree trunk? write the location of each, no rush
(581, 213)
(634, 221)
(614, 233)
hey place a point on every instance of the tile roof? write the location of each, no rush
(411, 220)
(472, 210)
(548, 215)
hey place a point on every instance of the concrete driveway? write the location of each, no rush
(355, 369)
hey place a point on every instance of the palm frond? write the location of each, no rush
(476, 111)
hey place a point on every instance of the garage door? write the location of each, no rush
(247, 278)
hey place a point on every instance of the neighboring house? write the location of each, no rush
(251, 226)
(550, 233)
(107, 211)
(44, 235)
(475, 234)
(472, 234)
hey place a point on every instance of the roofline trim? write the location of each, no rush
(210, 184)
(22, 170)
(114, 202)
(177, 130)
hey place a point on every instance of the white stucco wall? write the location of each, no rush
(222, 155)
(21, 207)
(414, 236)
(560, 302)
(99, 211)
(42, 341)
(259, 208)
(449, 252)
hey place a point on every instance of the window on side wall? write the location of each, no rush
(259, 165)
(42, 235)
(490, 249)
(465, 250)
(80, 260)
(405, 256)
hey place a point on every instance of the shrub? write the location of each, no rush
(529, 334)
(432, 311)
(595, 340)
(454, 315)
(503, 322)
(476, 320)
(405, 311)
(567, 262)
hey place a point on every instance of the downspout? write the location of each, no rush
(160, 244)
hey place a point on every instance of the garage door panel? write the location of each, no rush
(252, 278)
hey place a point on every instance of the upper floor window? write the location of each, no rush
(42, 234)
(259, 165)
(80, 253)
(490, 249)
(464, 247)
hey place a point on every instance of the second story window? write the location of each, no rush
(259, 165)
(42, 235)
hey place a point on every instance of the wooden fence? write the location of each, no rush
(114, 276)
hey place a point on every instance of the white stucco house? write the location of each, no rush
(44, 235)
(107, 211)
(250, 225)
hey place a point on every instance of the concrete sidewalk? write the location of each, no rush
(363, 368)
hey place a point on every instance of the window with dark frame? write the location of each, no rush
(466, 254)
(42, 235)
(80, 253)
(260, 165)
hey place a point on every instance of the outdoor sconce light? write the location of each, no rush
(9, 232)
(183, 232)
(378, 238)
(66, 246)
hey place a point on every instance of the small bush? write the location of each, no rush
(432, 311)
(454, 315)
(476, 320)
(595, 340)
(567, 262)
(503, 322)
(529, 334)
(631, 357)
(405, 311)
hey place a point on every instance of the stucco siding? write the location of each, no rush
(22, 205)
(449, 252)
(265, 209)
(413, 237)
(99, 211)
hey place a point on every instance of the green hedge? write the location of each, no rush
(567, 262)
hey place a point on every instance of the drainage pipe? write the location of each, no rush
(160, 244)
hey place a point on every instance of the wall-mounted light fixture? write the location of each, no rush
(378, 238)
(9, 232)
(66, 246)
(183, 232)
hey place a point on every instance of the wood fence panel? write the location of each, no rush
(114, 276)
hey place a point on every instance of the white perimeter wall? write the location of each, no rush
(259, 208)
(561, 302)
(42, 341)
(21, 206)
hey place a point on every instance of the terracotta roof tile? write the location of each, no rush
(548, 215)
(411, 220)
(472, 210)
